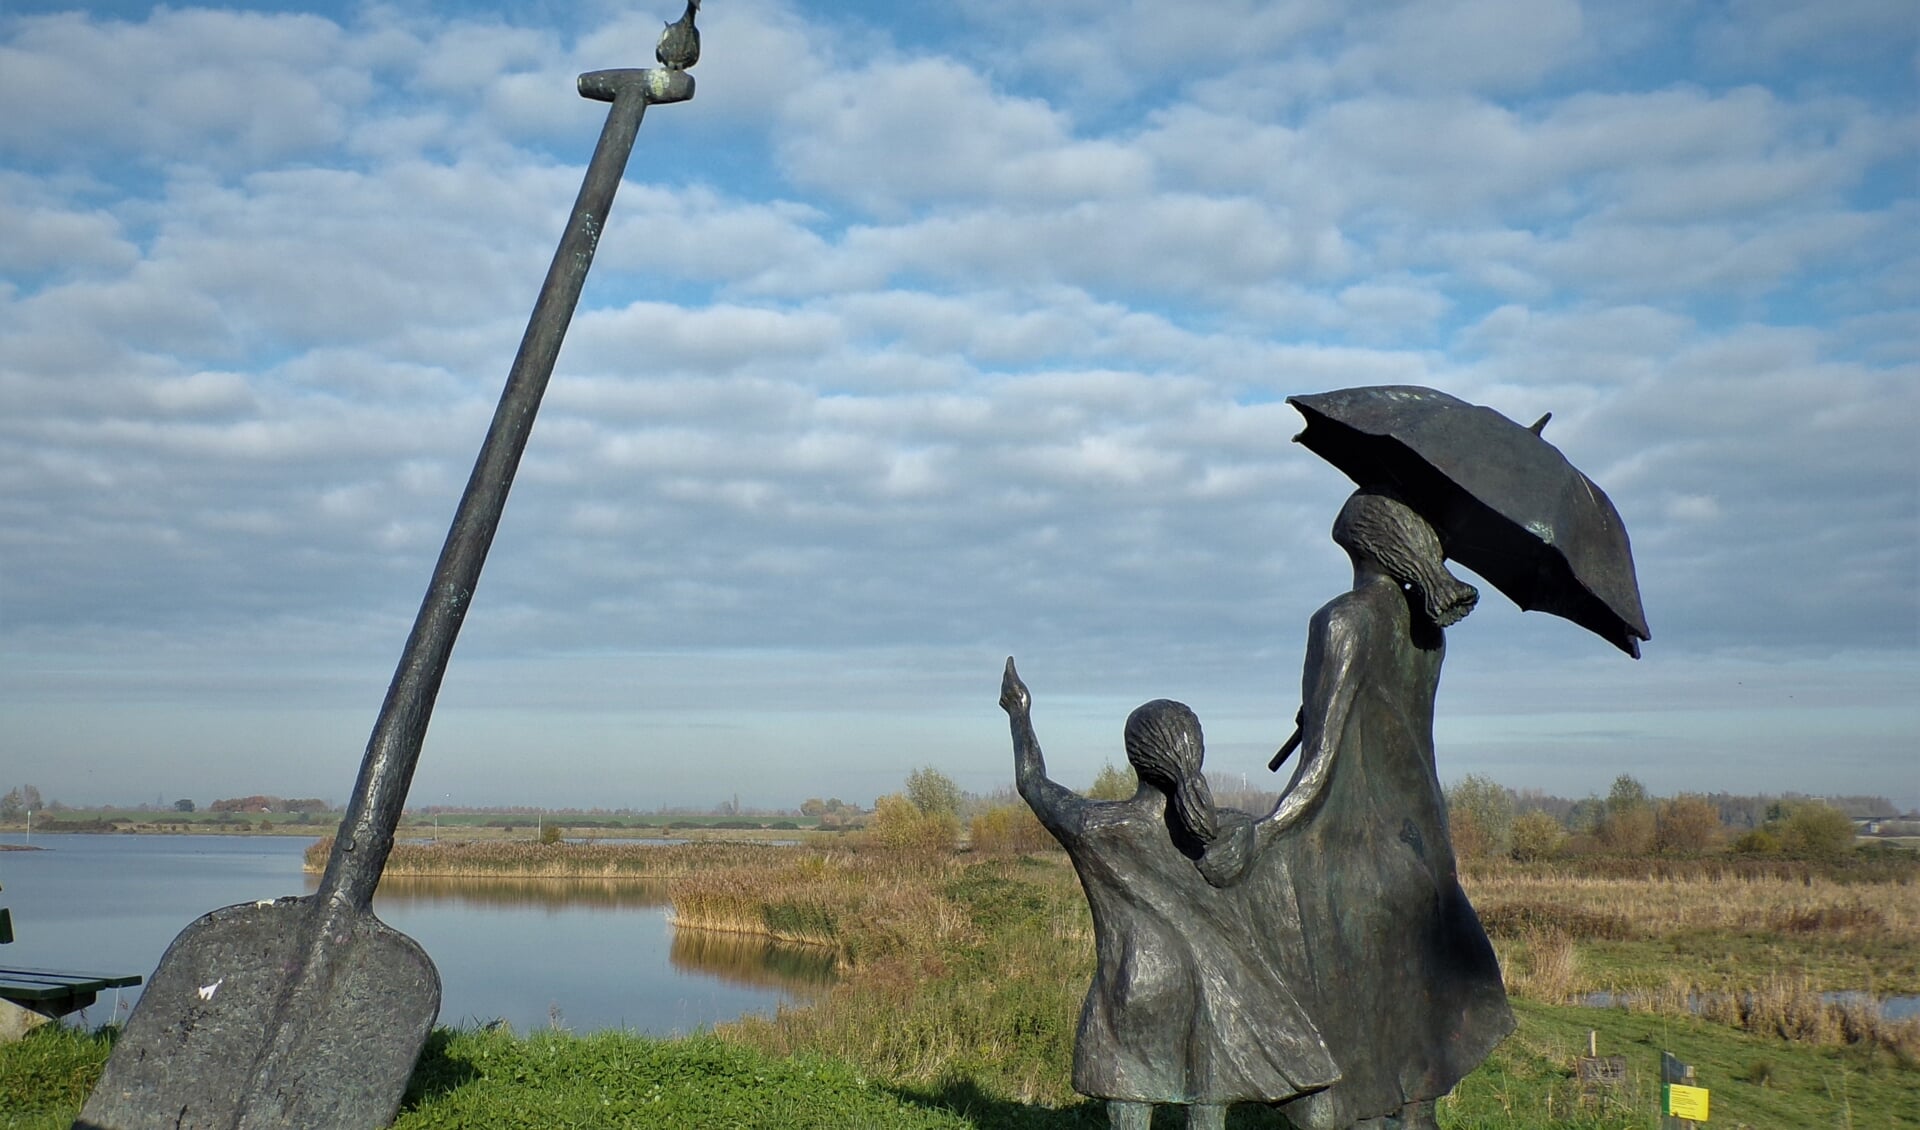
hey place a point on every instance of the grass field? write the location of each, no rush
(962, 977)
(549, 1079)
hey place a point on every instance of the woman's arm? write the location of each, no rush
(1328, 690)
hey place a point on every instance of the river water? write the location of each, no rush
(582, 954)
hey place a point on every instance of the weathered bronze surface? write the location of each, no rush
(1184, 1007)
(309, 1013)
(1328, 959)
(1506, 503)
(679, 45)
(1351, 878)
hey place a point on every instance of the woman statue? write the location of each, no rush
(1184, 1007)
(1351, 878)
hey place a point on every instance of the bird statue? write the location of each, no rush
(679, 46)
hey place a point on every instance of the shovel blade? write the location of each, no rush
(283, 1014)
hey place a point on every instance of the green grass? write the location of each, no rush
(496, 1080)
(477, 1078)
(45, 1077)
(474, 1078)
(1529, 1081)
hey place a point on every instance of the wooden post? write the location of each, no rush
(1599, 1076)
(1679, 1092)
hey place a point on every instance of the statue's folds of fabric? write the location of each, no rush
(1351, 881)
(1183, 1007)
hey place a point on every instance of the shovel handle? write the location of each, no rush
(365, 837)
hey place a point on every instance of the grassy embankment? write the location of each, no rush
(978, 954)
(964, 975)
(989, 993)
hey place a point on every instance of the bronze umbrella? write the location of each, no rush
(1504, 501)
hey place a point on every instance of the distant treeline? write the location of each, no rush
(613, 817)
(562, 818)
(1489, 820)
(1736, 810)
(267, 804)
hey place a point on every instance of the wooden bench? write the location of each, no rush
(54, 994)
(49, 992)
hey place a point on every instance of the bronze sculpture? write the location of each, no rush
(1181, 1010)
(302, 1013)
(1351, 878)
(1343, 900)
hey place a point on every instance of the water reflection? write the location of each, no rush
(586, 953)
(744, 959)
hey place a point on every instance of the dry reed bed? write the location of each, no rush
(1785, 1006)
(965, 966)
(862, 905)
(1511, 900)
(1539, 917)
(486, 859)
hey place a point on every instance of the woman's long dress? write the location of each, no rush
(1357, 899)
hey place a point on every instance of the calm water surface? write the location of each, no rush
(586, 954)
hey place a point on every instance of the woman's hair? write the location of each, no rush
(1376, 524)
(1165, 746)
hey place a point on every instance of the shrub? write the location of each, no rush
(933, 792)
(550, 834)
(1536, 835)
(1113, 783)
(1628, 830)
(1480, 817)
(1687, 823)
(1758, 841)
(899, 826)
(1009, 828)
(1816, 831)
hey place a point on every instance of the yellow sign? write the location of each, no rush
(1689, 1103)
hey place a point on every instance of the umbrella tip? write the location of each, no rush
(1540, 425)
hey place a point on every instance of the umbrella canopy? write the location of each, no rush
(1504, 501)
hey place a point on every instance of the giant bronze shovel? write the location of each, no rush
(308, 1013)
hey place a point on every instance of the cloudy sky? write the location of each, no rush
(924, 335)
